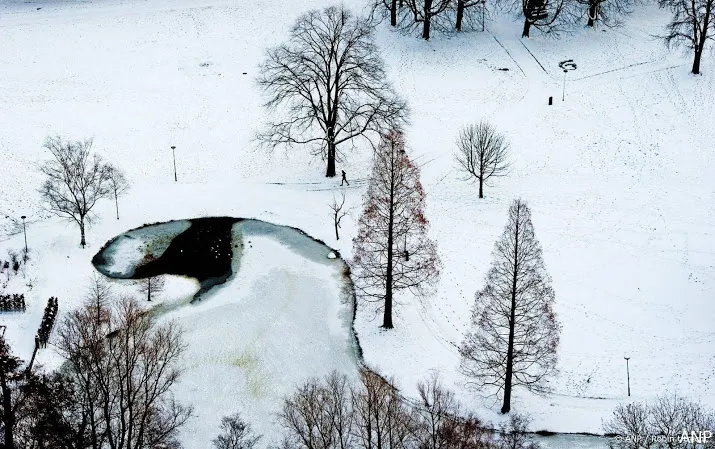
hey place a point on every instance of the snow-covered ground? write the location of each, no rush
(618, 176)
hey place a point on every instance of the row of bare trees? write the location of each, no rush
(333, 412)
(76, 179)
(549, 16)
(114, 390)
(670, 421)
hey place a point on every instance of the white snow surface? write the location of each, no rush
(619, 177)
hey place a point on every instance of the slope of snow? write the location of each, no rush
(618, 176)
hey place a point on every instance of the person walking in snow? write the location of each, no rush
(344, 180)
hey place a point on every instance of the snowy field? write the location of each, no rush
(619, 177)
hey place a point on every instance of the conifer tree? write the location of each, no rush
(515, 333)
(392, 250)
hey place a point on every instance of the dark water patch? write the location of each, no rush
(204, 252)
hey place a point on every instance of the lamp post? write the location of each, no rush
(173, 154)
(484, 3)
(628, 376)
(566, 66)
(24, 232)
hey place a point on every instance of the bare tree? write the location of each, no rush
(514, 434)
(381, 9)
(437, 409)
(548, 16)
(337, 212)
(151, 286)
(123, 367)
(319, 414)
(330, 83)
(235, 434)
(692, 26)
(117, 183)
(76, 180)
(427, 14)
(482, 153)
(660, 424)
(392, 250)
(607, 12)
(468, 11)
(381, 418)
(515, 333)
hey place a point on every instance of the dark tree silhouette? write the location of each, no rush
(515, 333)
(235, 434)
(76, 180)
(337, 212)
(427, 14)
(386, 8)
(692, 25)
(10, 374)
(482, 153)
(607, 12)
(117, 183)
(330, 84)
(392, 250)
(463, 10)
(547, 16)
(151, 286)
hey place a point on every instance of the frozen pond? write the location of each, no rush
(283, 314)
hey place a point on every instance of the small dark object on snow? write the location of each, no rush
(551, 101)
(245, 73)
(204, 64)
(504, 69)
(344, 180)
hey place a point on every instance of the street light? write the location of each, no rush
(566, 66)
(628, 376)
(24, 231)
(173, 154)
(484, 2)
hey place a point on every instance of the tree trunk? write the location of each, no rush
(393, 13)
(330, 172)
(527, 27)
(116, 203)
(148, 290)
(8, 415)
(83, 242)
(387, 319)
(696, 62)
(337, 236)
(427, 19)
(592, 11)
(481, 192)
(512, 321)
(460, 14)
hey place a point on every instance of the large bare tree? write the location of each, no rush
(482, 153)
(123, 367)
(515, 333)
(76, 180)
(692, 25)
(329, 86)
(392, 250)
